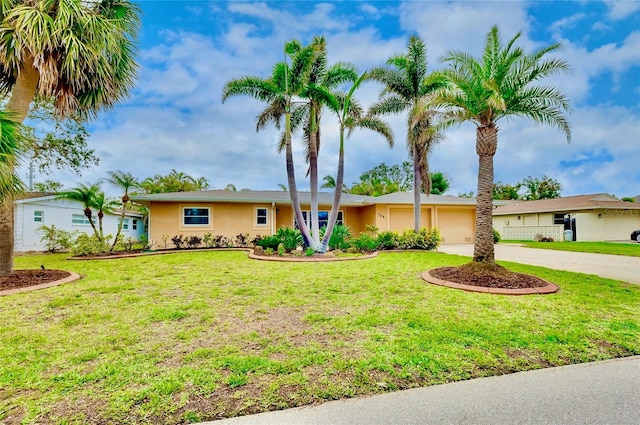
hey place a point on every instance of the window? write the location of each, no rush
(134, 224)
(261, 216)
(125, 223)
(38, 216)
(80, 220)
(195, 216)
(323, 218)
(558, 218)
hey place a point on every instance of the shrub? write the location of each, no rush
(220, 241)
(56, 239)
(365, 243)
(340, 237)
(496, 236)
(269, 251)
(546, 239)
(309, 252)
(281, 250)
(125, 244)
(387, 240)
(255, 240)
(146, 243)
(165, 241)
(424, 239)
(193, 241)
(90, 245)
(177, 241)
(269, 242)
(208, 240)
(289, 237)
(241, 239)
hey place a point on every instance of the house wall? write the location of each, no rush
(456, 224)
(591, 225)
(227, 219)
(368, 216)
(58, 212)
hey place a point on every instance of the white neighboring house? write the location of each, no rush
(35, 210)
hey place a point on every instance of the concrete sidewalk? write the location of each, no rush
(616, 267)
(605, 392)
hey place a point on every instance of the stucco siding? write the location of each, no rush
(367, 217)
(226, 219)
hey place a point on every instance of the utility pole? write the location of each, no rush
(31, 172)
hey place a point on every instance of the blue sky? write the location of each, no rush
(189, 49)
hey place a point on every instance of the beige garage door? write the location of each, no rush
(401, 218)
(455, 225)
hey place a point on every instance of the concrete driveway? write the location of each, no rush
(619, 267)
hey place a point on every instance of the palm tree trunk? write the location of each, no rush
(21, 97)
(6, 238)
(23, 91)
(416, 189)
(291, 181)
(313, 177)
(486, 145)
(115, 241)
(337, 196)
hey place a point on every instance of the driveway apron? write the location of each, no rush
(619, 267)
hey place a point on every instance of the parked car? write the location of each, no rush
(635, 235)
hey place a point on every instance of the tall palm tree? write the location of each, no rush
(500, 84)
(406, 84)
(79, 54)
(124, 181)
(350, 116)
(322, 79)
(87, 195)
(278, 91)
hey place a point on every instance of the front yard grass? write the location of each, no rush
(198, 336)
(630, 248)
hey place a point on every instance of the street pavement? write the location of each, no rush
(619, 267)
(599, 393)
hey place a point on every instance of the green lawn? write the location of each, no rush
(197, 336)
(614, 248)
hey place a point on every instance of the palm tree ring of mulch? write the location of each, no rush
(30, 280)
(491, 278)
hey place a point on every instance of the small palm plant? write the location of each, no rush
(87, 195)
(125, 181)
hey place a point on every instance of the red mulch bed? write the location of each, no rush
(24, 278)
(501, 278)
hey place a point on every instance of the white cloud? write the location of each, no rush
(463, 25)
(620, 9)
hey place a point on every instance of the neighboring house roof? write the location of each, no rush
(282, 197)
(30, 195)
(636, 198)
(407, 198)
(568, 203)
(33, 197)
